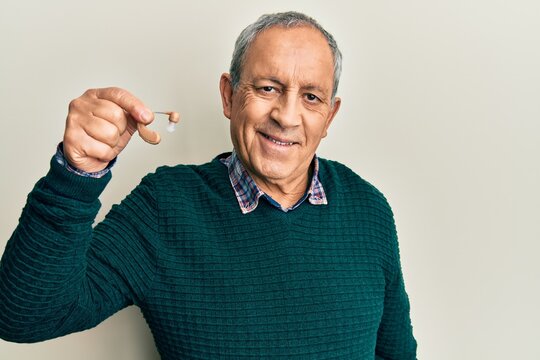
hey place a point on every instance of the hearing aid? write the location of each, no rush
(153, 137)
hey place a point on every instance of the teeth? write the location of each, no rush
(278, 142)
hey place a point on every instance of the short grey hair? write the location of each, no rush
(288, 19)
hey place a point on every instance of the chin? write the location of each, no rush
(274, 171)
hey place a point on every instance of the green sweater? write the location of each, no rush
(319, 282)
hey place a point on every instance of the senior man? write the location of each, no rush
(265, 252)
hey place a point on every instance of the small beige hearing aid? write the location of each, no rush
(153, 137)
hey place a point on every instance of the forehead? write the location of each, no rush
(297, 53)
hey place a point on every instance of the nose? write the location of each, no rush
(287, 111)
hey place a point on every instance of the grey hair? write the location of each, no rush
(288, 20)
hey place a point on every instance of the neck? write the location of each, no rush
(286, 193)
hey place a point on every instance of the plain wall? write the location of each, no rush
(440, 111)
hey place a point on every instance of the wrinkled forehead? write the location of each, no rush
(297, 53)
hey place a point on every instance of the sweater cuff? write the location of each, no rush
(68, 184)
(61, 158)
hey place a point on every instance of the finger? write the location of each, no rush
(113, 114)
(100, 151)
(102, 130)
(83, 151)
(131, 125)
(126, 101)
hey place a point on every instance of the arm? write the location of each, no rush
(58, 275)
(395, 340)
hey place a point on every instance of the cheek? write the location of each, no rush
(251, 110)
(248, 112)
(244, 102)
(315, 127)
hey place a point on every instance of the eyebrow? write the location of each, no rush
(311, 87)
(272, 79)
(308, 87)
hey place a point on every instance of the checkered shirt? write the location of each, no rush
(248, 193)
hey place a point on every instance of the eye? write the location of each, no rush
(312, 98)
(267, 89)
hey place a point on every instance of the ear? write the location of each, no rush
(226, 90)
(333, 112)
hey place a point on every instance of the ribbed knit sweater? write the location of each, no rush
(318, 282)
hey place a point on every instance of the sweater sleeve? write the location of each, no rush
(395, 340)
(58, 274)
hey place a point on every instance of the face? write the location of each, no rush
(283, 106)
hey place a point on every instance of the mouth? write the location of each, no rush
(278, 141)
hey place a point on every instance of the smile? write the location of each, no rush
(278, 142)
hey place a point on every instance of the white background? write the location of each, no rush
(441, 112)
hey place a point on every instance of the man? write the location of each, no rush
(265, 252)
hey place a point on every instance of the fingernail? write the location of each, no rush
(146, 116)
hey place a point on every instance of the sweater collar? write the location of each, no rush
(248, 193)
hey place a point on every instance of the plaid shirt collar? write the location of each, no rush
(248, 193)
